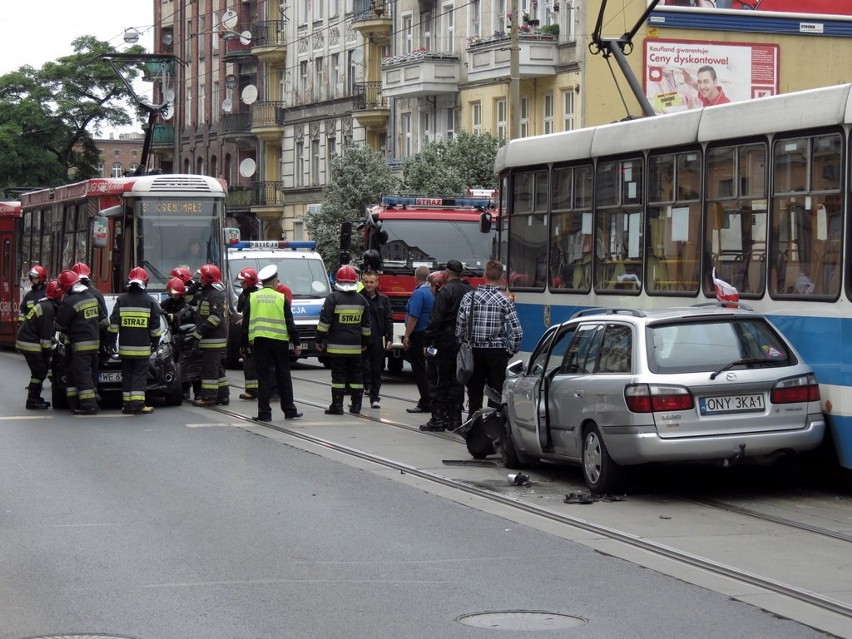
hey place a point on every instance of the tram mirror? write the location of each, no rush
(485, 221)
(100, 230)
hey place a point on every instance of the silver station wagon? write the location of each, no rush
(611, 388)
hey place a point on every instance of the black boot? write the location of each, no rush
(34, 400)
(454, 416)
(336, 406)
(357, 399)
(438, 422)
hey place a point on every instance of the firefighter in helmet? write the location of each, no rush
(211, 335)
(38, 282)
(35, 341)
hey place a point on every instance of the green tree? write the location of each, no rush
(49, 116)
(446, 167)
(359, 177)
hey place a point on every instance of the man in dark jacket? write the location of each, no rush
(211, 333)
(79, 317)
(342, 334)
(381, 336)
(441, 334)
(35, 341)
(135, 323)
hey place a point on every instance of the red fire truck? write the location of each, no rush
(404, 232)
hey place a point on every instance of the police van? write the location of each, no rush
(299, 266)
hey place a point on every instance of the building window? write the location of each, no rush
(500, 118)
(134, 153)
(475, 18)
(116, 169)
(448, 41)
(407, 34)
(116, 152)
(318, 9)
(300, 164)
(451, 122)
(101, 169)
(132, 168)
(500, 16)
(426, 30)
(303, 77)
(333, 8)
(315, 162)
(330, 154)
(476, 117)
(568, 110)
(201, 103)
(525, 117)
(548, 113)
(405, 130)
(336, 78)
(319, 88)
(215, 107)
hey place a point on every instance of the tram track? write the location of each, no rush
(802, 595)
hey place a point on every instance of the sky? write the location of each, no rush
(38, 31)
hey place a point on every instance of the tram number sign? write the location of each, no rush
(731, 404)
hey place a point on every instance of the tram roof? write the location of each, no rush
(827, 106)
(177, 185)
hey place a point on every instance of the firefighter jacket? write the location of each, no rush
(32, 298)
(37, 330)
(79, 317)
(242, 300)
(268, 314)
(211, 323)
(344, 323)
(442, 324)
(135, 321)
(104, 316)
(177, 312)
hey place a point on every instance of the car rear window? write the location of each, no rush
(684, 347)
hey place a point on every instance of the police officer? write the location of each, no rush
(79, 318)
(342, 333)
(441, 334)
(211, 334)
(268, 329)
(35, 341)
(250, 284)
(38, 281)
(135, 322)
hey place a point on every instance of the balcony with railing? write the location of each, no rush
(370, 107)
(488, 58)
(236, 124)
(372, 17)
(268, 194)
(267, 121)
(234, 47)
(420, 72)
(270, 42)
(163, 136)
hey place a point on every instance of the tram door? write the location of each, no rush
(10, 289)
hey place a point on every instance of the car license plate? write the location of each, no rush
(109, 378)
(731, 404)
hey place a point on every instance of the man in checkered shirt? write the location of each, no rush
(495, 336)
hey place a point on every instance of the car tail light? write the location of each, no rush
(795, 389)
(645, 398)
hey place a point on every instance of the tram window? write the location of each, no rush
(528, 233)
(806, 240)
(571, 231)
(735, 218)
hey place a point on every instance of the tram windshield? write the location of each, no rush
(173, 231)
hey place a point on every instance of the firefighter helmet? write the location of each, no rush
(138, 276)
(248, 276)
(38, 271)
(82, 269)
(175, 286)
(210, 274)
(346, 278)
(54, 290)
(183, 273)
(67, 279)
(283, 288)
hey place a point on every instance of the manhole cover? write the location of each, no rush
(82, 637)
(521, 620)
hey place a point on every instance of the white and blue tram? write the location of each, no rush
(640, 213)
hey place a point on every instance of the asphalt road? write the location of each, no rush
(185, 525)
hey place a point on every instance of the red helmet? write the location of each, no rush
(436, 279)
(81, 269)
(67, 279)
(138, 276)
(183, 273)
(346, 278)
(54, 290)
(210, 274)
(248, 276)
(175, 286)
(283, 288)
(38, 271)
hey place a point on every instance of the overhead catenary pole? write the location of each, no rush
(514, 75)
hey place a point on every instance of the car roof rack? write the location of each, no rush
(601, 310)
(718, 304)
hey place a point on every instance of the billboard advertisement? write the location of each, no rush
(688, 74)
(824, 8)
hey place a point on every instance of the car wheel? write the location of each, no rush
(512, 459)
(395, 364)
(602, 475)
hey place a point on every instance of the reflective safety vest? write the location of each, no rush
(266, 315)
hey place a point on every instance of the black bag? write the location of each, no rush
(464, 359)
